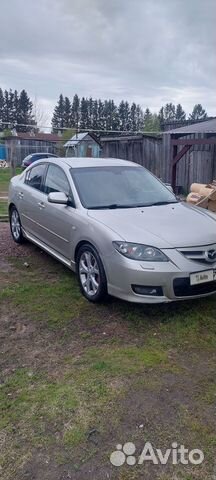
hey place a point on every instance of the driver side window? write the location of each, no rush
(56, 181)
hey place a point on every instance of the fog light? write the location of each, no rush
(146, 290)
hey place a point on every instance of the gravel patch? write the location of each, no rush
(8, 248)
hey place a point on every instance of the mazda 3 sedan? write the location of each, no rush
(118, 227)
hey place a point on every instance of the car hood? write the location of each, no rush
(164, 226)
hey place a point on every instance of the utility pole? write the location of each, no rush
(12, 157)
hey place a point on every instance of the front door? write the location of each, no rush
(58, 219)
(89, 151)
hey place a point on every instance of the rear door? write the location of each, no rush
(33, 196)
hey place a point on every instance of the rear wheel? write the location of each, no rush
(91, 274)
(15, 226)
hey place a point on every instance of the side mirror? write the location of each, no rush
(58, 197)
(169, 187)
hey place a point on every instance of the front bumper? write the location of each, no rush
(173, 277)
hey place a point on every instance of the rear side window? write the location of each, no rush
(34, 177)
(56, 181)
(38, 157)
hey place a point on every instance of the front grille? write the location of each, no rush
(200, 254)
(182, 288)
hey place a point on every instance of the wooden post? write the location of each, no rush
(174, 167)
(175, 159)
(12, 158)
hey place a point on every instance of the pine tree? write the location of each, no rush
(155, 123)
(161, 117)
(11, 112)
(6, 119)
(114, 116)
(90, 112)
(24, 114)
(67, 113)
(180, 114)
(140, 118)
(127, 116)
(75, 112)
(198, 113)
(147, 119)
(169, 111)
(122, 118)
(151, 122)
(15, 106)
(101, 120)
(95, 115)
(1, 109)
(107, 116)
(133, 118)
(84, 119)
(58, 115)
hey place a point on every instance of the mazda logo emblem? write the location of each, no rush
(210, 255)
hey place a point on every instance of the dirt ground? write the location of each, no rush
(76, 380)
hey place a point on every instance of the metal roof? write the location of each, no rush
(78, 137)
(42, 137)
(207, 126)
(75, 139)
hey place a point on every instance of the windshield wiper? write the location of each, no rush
(112, 206)
(160, 203)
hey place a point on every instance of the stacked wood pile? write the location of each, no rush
(203, 195)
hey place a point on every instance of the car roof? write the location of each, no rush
(82, 162)
(43, 153)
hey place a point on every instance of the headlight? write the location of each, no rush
(136, 251)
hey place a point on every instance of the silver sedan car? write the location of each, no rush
(118, 227)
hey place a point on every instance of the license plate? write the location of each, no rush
(202, 277)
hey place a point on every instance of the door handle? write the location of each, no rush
(41, 204)
(20, 194)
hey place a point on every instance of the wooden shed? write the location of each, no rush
(189, 154)
(20, 144)
(82, 145)
(179, 156)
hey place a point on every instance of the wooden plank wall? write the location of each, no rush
(198, 165)
(145, 151)
(26, 147)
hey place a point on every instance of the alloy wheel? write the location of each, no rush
(89, 273)
(15, 225)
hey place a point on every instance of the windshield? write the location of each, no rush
(119, 187)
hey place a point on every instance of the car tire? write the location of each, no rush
(91, 274)
(15, 226)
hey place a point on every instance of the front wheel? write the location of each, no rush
(15, 226)
(91, 274)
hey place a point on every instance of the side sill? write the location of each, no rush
(69, 263)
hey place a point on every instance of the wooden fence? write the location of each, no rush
(154, 153)
(146, 151)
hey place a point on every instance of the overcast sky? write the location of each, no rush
(147, 51)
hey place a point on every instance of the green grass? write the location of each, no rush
(97, 357)
(56, 300)
(188, 324)
(124, 360)
(56, 303)
(3, 208)
(5, 176)
(77, 400)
